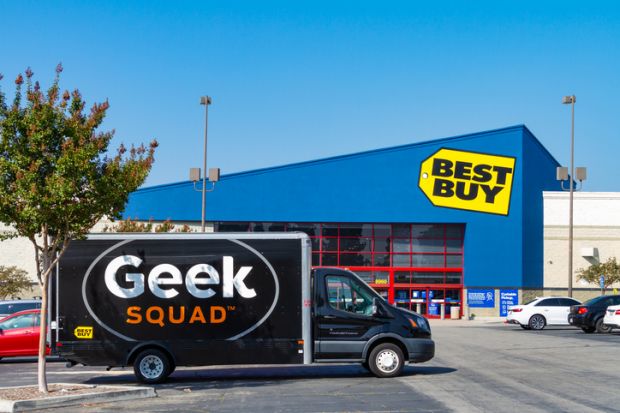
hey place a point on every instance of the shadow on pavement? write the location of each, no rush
(263, 375)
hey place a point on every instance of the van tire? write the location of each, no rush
(152, 366)
(386, 360)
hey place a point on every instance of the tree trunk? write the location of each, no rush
(42, 377)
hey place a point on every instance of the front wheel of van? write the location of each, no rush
(152, 366)
(386, 360)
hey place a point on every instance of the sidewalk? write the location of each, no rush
(466, 323)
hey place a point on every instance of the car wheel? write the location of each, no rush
(152, 366)
(386, 360)
(602, 328)
(525, 327)
(588, 330)
(537, 322)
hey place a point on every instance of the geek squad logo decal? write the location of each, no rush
(470, 181)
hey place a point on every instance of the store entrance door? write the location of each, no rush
(428, 300)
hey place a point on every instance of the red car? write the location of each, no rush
(19, 334)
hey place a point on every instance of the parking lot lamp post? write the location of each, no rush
(204, 100)
(570, 100)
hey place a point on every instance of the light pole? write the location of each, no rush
(562, 175)
(205, 100)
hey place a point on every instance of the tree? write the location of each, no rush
(610, 269)
(13, 280)
(56, 179)
(129, 225)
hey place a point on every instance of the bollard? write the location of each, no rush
(442, 310)
(418, 308)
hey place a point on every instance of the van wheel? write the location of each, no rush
(601, 328)
(152, 366)
(588, 330)
(537, 322)
(386, 360)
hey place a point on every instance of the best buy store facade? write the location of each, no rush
(456, 220)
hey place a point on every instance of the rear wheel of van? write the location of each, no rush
(386, 360)
(152, 366)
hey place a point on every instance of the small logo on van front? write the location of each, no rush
(83, 332)
(468, 180)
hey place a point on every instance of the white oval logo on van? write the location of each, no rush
(153, 290)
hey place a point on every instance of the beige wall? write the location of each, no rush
(596, 228)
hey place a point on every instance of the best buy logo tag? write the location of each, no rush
(468, 180)
(83, 332)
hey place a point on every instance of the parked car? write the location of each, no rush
(13, 306)
(19, 334)
(589, 316)
(540, 312)
(612, 317)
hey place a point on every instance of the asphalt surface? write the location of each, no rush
(479, 367)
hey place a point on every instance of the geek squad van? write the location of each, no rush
(157, 301)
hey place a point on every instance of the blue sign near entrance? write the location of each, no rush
(484, 298)
(506, 299)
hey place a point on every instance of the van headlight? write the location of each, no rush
(419, 322)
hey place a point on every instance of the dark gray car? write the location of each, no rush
(10, 307)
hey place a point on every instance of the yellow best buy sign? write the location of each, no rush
(468, 180)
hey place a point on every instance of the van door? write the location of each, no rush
(344, 317)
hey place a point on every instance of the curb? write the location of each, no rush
(112, 394)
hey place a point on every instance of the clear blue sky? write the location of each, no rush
(294, 81)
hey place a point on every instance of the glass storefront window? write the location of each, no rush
(355, 260)
(454, 261)
(427, 277)
(428, 260)
(428, 231)
(399, 248)
(356, 230)
(356, 244)
(402, 277)
(401, 245)
(401, 260)
(382, 230)
(401, 230)
(428, 245)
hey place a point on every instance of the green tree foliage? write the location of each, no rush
(56, 179)
(610, 269)
(13, 281)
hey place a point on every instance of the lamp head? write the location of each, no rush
(205, 100)
(567, 100)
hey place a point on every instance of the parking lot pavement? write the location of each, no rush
(485, 367)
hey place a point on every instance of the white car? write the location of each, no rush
(540, 312)
(612, 317)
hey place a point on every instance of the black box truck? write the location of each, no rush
(157, 301)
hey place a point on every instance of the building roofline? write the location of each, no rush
(370, 152)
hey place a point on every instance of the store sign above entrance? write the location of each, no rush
(468, 180)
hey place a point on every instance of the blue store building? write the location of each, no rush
(420, 223)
